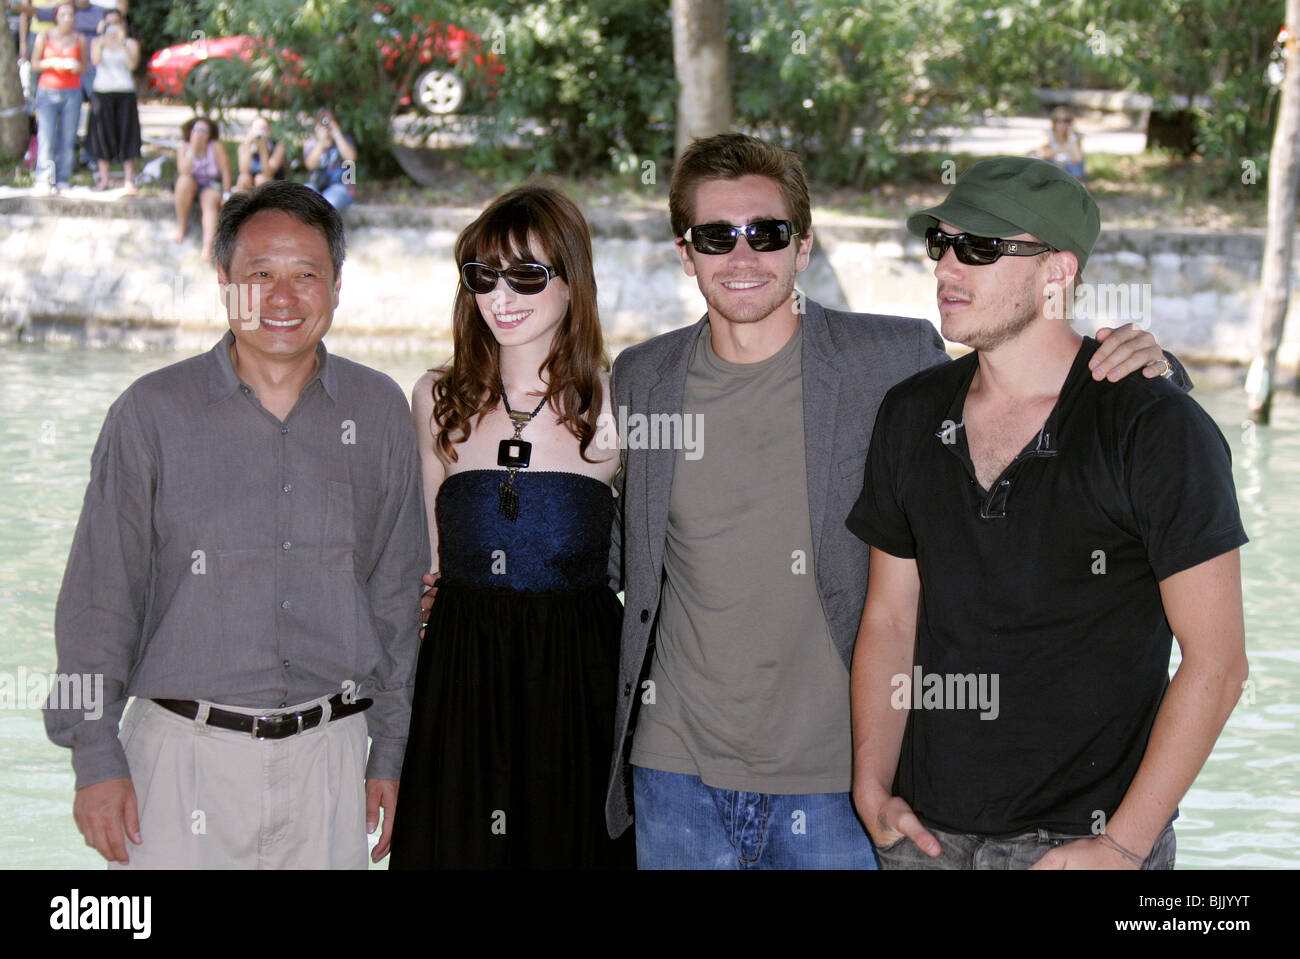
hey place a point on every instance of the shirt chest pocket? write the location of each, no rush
(351, 514)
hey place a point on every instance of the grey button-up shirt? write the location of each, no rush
(225, 555)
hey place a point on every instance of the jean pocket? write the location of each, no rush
(893, 846)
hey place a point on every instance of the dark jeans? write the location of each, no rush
(969, 851)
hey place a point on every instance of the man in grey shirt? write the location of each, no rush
(743, 587)
(247, 566)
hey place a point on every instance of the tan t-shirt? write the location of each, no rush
(749, 691)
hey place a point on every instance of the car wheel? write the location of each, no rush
(438, 90)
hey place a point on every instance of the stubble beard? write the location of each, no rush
(1023, 313)
(754, 312)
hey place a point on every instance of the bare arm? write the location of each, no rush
(132, 53)
(184, 159)
(311, 159)
(346, 150)
(1203, 605)
(1074, 148)
(245, 155)
(271, 166)
(96, 50)
(38, 52)
(885, 649)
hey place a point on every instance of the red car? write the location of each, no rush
(435, 84)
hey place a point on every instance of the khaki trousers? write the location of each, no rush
(212, 798)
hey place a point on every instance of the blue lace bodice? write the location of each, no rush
(560, 540)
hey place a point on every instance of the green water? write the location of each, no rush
(1242, 812)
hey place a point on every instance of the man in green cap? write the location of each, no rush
(1036, 541)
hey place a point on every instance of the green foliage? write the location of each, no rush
(842, 85)
(587, 86)
(1216, 49)
(1211, 54)
(317, 55)
(157, 24)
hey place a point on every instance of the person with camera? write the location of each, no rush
(330, 157)
(114, 113)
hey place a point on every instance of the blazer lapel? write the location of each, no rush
(821, 387)
(666, 396)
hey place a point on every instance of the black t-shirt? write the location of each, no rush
(1040, 606)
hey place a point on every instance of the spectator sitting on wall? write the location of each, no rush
(330, 158)
(260, 157)
(1063, 145)
(203, 171)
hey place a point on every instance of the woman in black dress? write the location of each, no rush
(512, 724)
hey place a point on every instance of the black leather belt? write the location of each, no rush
(273, 726)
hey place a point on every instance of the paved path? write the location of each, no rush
(996, 135)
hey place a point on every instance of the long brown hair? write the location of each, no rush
(471, 385)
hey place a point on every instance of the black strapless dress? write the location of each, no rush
(512, 726)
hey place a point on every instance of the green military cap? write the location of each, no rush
(1003, 196)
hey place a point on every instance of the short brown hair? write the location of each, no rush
(730, 156)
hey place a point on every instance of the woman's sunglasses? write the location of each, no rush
(524, 278)
(763, 236)
(978, 250)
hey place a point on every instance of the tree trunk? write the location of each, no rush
(13, 118)
(703, 70)
(1283, 187)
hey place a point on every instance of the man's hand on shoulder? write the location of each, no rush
(105, 810)
(381, 793)
(1125, 349)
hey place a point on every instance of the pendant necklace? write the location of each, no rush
(514, 455)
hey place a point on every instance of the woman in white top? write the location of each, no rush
(114, 114)
(1063, 145)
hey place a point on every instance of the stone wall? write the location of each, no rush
(108, 274)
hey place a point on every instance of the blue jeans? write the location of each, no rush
(683, 824)
(57, 112)
(339, 196)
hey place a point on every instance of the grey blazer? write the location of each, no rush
(850, 360)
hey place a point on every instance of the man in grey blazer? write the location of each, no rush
(743, 587)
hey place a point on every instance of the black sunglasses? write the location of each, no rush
(978, 250)
(525, 278)
(763, 236)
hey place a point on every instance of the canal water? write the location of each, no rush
(1242, 812)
